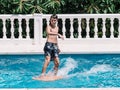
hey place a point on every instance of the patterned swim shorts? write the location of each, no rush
(51, 49)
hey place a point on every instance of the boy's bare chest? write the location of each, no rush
(53, 30)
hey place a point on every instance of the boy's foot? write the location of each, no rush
(40, 76)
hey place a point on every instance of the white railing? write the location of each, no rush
(17, 23)
(83, 32)
(87, 17)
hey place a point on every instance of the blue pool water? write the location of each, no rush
(80, 71)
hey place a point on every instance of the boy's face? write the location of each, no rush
(53, 21)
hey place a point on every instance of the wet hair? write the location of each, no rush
(54, 16)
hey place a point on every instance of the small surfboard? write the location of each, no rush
(47, 78)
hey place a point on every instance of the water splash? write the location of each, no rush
(69, 65)
(99, 68)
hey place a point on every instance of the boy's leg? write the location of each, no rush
(56, 63)
(46, 63)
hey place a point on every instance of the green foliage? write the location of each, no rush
(53, 6)
(61, 6)
(30, 6)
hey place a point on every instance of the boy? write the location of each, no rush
(51, 49)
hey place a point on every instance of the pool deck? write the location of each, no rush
(81, 46)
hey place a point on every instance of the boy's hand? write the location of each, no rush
(62, 37)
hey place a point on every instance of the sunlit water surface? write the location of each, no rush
(79, 71)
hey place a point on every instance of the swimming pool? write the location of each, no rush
(80, 71)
